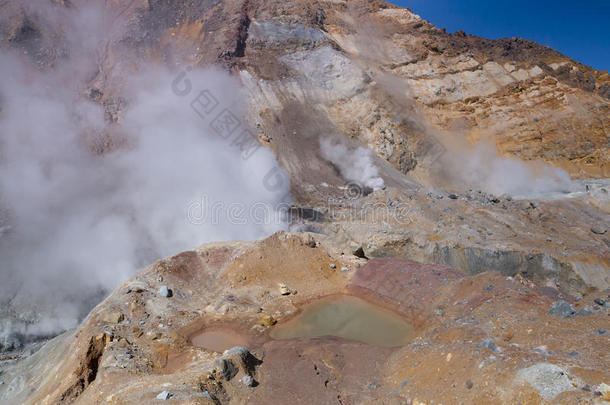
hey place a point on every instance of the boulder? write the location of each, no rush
(112, 317)
(164, 395)
(562, 308)
(549, 380)
(164, 291)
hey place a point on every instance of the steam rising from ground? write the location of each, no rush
(460, 165)
(479, 166)
(355, 165)
(463, 165)
(77, 224)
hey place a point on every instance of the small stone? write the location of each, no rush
(599, 230)
(153, 335)
(453, 196)
(206, 394)
(136, 286)
(266, 320)
(562, 308)
(489, 344)
(310, 242)
(164, 291)
(573, 353)
(164, 396)
(284, 290)
(160, 279)
(344, 268)
(360, 253)
(113, 317)
(469, 384)
(333, 266)
(247, 381)
(601, 331)
(599, 302)
(542, 350)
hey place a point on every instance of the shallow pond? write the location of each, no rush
(349, 318)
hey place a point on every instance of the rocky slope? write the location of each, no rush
(484, 338)
(512, 303)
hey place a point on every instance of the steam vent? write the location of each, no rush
(296, 202)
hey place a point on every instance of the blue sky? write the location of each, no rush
(580, 30)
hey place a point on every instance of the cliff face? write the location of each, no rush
(365, 70)
(323, 79)
(384, 76)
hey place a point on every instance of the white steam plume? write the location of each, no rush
(462, 165)
(480, 166)
(355, 165)
(80, 223)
